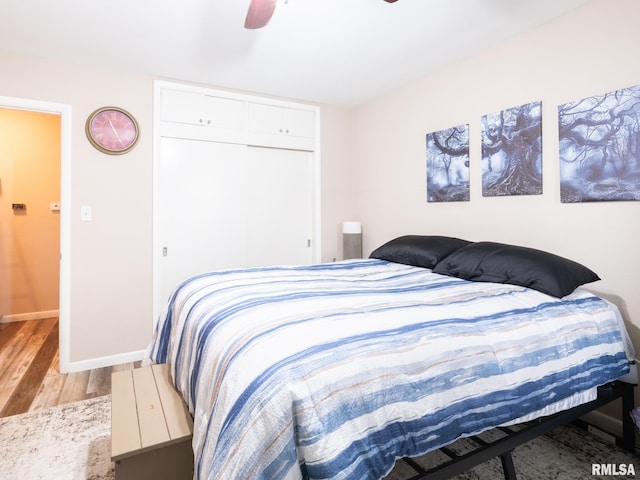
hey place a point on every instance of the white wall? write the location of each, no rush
(591, 51)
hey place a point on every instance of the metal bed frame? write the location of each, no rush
(504, 446)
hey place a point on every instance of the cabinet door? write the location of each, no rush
(200, 210)
(182, 107)
(279, 207)
(203, 110)
(301, 123)
(224, 113)
(265, 118)
(275, 126)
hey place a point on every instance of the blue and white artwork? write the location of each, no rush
(512, 151)
(448, 165)
(600, 147)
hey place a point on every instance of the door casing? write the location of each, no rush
(64, 110)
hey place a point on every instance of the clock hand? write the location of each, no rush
(115, 131)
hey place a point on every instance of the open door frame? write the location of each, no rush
(65, 215)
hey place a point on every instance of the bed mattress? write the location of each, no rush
(336, 370)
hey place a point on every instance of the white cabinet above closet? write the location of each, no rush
(206, 116)
(221, 119)
(284, 127)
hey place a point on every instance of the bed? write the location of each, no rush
(338, 370)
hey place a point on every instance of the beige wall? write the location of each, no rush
(337, 180)
(110, 264)
(588, 52)
(30, 238)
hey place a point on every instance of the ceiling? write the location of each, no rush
(338, 52)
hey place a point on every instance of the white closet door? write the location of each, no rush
(279, 206)
(201, 210)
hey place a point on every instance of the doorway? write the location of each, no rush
(61, 209)
(29, 214)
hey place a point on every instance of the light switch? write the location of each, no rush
(85, 213)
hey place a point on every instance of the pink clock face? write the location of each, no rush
(113, 131)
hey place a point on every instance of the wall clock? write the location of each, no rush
(112, 130)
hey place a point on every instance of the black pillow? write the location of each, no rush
(527, 267)
(418, 250)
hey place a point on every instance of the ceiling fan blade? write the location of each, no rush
(259, 13)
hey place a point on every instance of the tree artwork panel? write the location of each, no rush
(448, 165)
(512, 151)
(600, 147)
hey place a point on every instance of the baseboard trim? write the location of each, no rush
(101, 362)
(21, 317)
(607, 424)
(604, 421)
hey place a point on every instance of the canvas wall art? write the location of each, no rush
(599, 141)
(448, 165)
(512, 151)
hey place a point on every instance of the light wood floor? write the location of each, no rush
(30, 378)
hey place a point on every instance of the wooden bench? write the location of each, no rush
(151, 428)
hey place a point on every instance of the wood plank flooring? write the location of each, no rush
(30, 378)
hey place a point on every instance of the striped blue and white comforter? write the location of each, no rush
(336, 370)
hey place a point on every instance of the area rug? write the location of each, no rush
(73, 442)
(67, 442)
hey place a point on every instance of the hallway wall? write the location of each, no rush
(29, 238)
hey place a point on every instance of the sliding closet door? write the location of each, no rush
(279, 206)
(200, 210)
